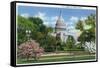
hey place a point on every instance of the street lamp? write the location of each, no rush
(28, 32)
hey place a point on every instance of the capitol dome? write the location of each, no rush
(60, 23)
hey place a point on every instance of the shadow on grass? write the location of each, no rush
(55, 59)
(25, 61)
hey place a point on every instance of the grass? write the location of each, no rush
(57, 58)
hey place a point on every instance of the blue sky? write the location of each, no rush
(49, 14)
(66, 12)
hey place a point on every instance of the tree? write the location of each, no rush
(79, 25)
(91, 21)
(50, 44)
(23, 24)
(34, 24)
(58, 42)
(30, 49)
(36, 20)
(87, 35)
(42, 31)
(70, 43)
(39, 32)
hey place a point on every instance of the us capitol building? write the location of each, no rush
(62, 32)
(60, 29)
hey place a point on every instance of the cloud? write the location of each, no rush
(41, 15)
(47, 20)
(72, 21)
(53, 18)
(46, 23)
(53, 21)
(71, 24)
(83, 18)
(26, 15)
(71, 27)
(74, 18)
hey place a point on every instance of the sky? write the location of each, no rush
(49, 15)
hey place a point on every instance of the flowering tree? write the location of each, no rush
(30, 49)
(90, 46)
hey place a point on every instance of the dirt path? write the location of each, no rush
(55, 54)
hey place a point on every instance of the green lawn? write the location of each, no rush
(57, 58)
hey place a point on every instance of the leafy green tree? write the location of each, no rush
(91, 21)
(80, 26)
(23, 25)
(70, 42)
(34, 24)
(50, 44)
(87, 35)
(36, 20)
